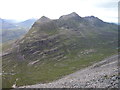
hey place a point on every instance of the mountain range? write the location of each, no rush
(54, 48)
(11, 29)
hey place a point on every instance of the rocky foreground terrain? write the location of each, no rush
(103, 74)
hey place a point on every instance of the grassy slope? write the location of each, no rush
(48, 70)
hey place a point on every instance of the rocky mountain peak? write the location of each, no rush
(95, 21)
(92, 18)
(74, 14)
(44, 19)
(71, 15)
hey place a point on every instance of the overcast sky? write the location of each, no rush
(106, 10)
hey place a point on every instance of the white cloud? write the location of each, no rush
(24, 9)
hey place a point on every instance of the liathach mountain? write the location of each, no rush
(54, 48)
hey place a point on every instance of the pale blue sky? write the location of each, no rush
(106, 10)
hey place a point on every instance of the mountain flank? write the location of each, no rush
(54, 48)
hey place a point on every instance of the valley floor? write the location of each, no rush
(103, 74)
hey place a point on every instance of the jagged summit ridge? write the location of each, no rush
(43, 19)
(92, 18)
(71, 15)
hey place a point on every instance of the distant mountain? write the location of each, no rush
(7, 24)
(12, 24)
(10, 21)
(27, 23)
(12, 30)
(8, 35)
(53, 48)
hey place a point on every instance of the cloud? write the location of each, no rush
(25, 9)
(108, 4)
